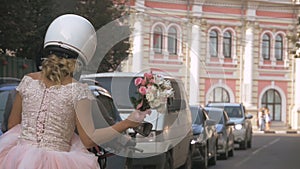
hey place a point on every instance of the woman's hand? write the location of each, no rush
(137, 117)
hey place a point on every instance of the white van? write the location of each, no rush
(168, 144)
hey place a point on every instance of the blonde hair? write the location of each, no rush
(57, 69)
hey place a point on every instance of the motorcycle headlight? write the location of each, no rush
(238, 126)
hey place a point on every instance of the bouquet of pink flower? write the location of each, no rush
(153, 90)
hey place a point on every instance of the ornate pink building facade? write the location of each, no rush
(224, 51)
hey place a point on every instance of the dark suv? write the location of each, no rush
(243, 126)
(205, 137)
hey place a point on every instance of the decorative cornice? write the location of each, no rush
(275, 27)
(222, 3)
(171, 1)
(224, 23)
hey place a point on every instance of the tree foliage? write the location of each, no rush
(24, 24)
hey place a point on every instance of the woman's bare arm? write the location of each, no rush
(15, 114)
(91, 136)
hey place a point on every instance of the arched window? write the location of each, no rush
(266, 43)
(278, 47)
(272, 100)
(213, 43)
(219, 94)
(158, 39)
(172, 40)
(227, 44)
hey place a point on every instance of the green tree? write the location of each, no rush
(24, 24)
(101, 13)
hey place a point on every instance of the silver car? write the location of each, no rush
(225, 132)
(243, 126)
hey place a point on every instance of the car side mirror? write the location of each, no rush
(230, 123)
(210, 122)
(249, 116)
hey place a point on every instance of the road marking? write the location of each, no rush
(277, 132)
(257, 151)
(265, 146)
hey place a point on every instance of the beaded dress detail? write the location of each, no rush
(46, 138)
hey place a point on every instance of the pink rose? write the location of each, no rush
(138, 81)
(148, 75)
(143, 90)
(152, 81)
(144, 82)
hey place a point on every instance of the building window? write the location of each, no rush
(158, 40)
(213, 43)
(219, 94)
(278, 47)
(227, 39)
(172, 41)
(266, 43)
(272, 100)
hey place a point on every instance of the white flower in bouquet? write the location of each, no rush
(155, 103)
(150, 96)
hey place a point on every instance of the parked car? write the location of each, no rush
(225, 131)
(243, 126)
(168, 144)
(205, 138)
(7, 92)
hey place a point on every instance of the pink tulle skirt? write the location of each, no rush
(14, 155)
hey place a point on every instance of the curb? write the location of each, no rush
(277, 132)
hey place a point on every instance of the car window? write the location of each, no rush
(121, 89)
(197, 117)
(3, 100)
(233, 112)
(216, 115)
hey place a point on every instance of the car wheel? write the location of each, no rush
(204, 163)
(188, 162)
(231, 152)
(169, 161)
(249, 143)
(213, 160)
(243, 145)
(224, 156)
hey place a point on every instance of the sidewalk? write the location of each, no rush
(276, 128)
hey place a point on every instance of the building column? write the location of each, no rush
(248, 66)
(137, 48)
(194, 63)
(296, 110)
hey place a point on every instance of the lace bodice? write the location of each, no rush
(48, 114)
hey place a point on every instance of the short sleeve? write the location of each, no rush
(23, 84)
(82, 92)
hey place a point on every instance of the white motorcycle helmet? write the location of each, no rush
(71, 36)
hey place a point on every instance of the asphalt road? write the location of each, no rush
(269, 151)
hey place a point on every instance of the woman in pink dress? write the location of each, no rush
(50, 104)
